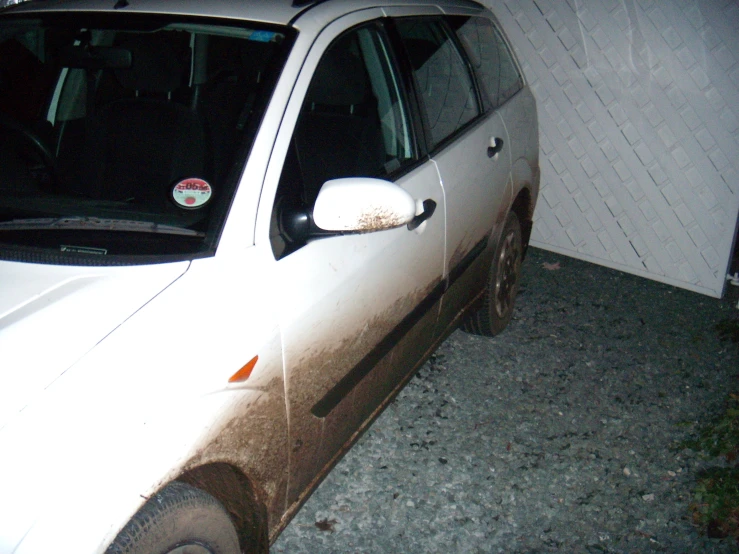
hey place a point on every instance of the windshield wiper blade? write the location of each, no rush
(95, 224)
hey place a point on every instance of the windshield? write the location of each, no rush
(122, 137)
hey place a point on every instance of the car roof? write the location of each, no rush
(281, 12)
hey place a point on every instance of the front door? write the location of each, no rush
(348, 300)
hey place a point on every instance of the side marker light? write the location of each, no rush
(243, 374)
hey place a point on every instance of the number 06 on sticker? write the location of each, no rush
(192, 193)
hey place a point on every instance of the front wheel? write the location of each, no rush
(179, 519)
(502, 287)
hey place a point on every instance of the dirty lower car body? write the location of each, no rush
(229, 233)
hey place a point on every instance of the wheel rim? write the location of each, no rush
(509, 261)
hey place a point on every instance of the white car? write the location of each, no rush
(229, 234)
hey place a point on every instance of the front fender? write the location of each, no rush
(151, 401)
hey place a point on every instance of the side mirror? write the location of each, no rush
(362, 204)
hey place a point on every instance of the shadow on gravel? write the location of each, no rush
(563, 434)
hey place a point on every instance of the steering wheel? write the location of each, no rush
(32, 139)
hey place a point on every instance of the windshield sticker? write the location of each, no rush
(192, 193)
(262, 36)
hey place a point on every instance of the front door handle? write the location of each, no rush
(429, 206)
(497, 147)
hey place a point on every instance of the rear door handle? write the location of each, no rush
(497, 147)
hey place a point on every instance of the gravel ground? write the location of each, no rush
(559, 435)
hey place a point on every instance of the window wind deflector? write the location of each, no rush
(304, 3)
(8, 3)
(95, 224)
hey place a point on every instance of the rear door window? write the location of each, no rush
(490, 57)
(445, 86)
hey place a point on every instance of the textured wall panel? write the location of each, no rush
(639, 114)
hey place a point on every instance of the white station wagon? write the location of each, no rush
(230, 231)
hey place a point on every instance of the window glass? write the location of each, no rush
(510, 80)
(391, 111)
(490, 57)
(353, 123)
(121, 136)
(445, 86)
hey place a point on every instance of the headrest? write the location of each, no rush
(155, 66)
(340, 79)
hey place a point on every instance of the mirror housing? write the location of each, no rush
(362, 204)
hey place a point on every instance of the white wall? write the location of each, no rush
(639, 114)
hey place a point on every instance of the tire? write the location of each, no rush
(502, 286)
(179, 519)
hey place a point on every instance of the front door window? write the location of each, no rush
(352, 124)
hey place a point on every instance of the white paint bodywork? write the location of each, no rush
(41, 302)
(115, 380)
(51, 320)
(139, 403)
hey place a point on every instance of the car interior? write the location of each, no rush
(120, 116)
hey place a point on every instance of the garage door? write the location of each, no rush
(639, 110)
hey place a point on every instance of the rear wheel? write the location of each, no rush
(179, 519)
(502, 286)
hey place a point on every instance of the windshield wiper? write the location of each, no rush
(95, 224)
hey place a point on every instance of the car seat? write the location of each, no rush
(339, 132)
(138, 147)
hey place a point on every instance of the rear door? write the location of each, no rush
(501, 84)
(469, 145)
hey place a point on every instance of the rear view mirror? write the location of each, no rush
(95, 57)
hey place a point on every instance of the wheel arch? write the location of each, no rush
(523, 207)
(525, 175)
(232, 488)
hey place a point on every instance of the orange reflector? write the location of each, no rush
(244, 372)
